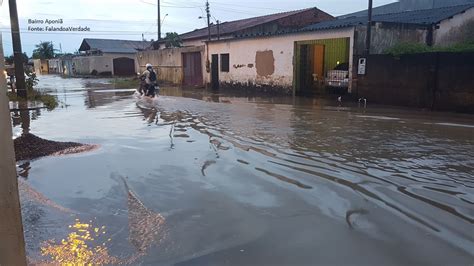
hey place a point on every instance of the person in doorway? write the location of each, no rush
(150, 77)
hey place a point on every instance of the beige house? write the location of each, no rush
(108, 57)
(190, 65)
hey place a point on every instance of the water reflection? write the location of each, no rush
(101, 97)
(85, 245)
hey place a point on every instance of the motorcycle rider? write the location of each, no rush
(150, 77)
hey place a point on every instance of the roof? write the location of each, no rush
(114, 46)
(409, 5)
(228, 28)
(419, 17)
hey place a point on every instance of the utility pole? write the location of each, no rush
(17, 52)
(218, 30)
(369, 29)
(159, 21)
(12, 244)
(208, 11)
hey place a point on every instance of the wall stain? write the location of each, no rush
(265, 63)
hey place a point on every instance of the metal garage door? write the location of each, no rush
(124, 66)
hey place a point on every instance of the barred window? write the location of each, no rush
(225, 62)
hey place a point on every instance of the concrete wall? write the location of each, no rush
(251, 58)
(168, 62)
(85, 65)
(387, 35)
(55, 66)
(12, 243)
(458, 29)
(194, 43)
(439, 81)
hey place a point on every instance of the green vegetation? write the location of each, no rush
(44, 50)
(416, 48)
(125, 83)
(9, 60)
(49, 101)
(172, 39)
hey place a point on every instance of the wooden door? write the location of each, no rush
(192, 69)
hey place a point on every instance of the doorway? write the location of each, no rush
(215, 72)
(316, 61)
(192, 69)
(124, 66)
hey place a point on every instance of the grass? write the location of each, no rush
(125, 83)
(49, 101)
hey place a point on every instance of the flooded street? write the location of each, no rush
(208, 179)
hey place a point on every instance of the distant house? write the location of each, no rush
(55, 66)
(40, 66)
(108, 57)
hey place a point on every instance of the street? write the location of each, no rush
(197, 178)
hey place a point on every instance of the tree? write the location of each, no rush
(44, 50)
(9, 60)
(172, 39)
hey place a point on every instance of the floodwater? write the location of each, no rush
(209, 179)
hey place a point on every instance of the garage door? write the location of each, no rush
(124, 66)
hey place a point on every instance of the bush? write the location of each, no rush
(408, 48)
(417, 48)
(49, 101)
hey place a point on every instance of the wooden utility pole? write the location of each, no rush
(12, 243)
(369, 29)
(17, 52)
(208, 12)
(159, 21)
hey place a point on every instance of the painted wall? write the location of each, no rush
(194, 43)
(168, 62)
(267, 60)
(40, 66)
(458, 29)
(85, 65)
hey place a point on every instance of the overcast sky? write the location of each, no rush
(129, 19)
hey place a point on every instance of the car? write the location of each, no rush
(338, 77)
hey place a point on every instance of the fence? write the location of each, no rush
(438, 81)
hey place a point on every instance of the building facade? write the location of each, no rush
(106, 57)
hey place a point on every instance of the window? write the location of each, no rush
(225, 63)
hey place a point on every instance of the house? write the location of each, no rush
(298, 61)
(61, 65)
(66, 62)
(40, 66)
(189, 65)
(55, 66)
(108, 57)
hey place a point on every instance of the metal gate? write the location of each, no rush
(192, 69)
(124, 66)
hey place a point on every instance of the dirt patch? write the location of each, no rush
(29, 147)
(265, 63)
